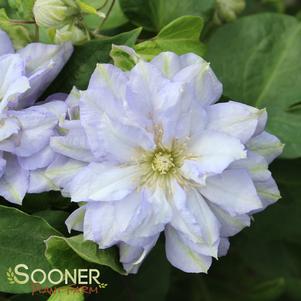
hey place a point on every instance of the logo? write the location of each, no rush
(85, 280)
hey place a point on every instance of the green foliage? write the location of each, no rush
(78, 70)
(60, 253)
(66, 295)
(22, 242)
(153, 15)
(180, 36)
(259, 66)
(19, 34)
(23, 8)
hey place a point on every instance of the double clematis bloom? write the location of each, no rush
(149, 151)
(25, 131)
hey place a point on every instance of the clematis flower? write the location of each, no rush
(25, 134)
(155, 153)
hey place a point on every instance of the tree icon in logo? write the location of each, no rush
(10, 276)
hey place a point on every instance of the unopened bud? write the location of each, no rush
(54, 13)
(228, 10)
(72, 33)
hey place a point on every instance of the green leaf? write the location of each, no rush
(55, 218)
(22, 242)
(180, 36)
(257, 59)
(267, 291)
(80, 67)
(23, 8)
(67, 294)
(153, 15)
(62, 252)
(19, 34)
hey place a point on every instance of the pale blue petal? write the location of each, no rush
(73, 145)
(233, 191)
(75, 221)
(223, 247)
(230, 225)
(38, 160)
(101, 182)
(267, 191)
(132, 257)
(43, 63)
(255, 164)
(211, 152)
(267, 145)
(193, 217)
(235, 119)
(14, 182)
(62, 171)
(6, 45)
(39, 182)
(182, 256)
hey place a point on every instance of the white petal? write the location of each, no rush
(193, 217)
(40, 159)
(223, 247)
(168, 63)
(8, 127)
(255, 164)
(37, 127)
(267, 145)
(132, 257)
(202, 81)
(62, 171)
(100, 182)
(233, 191)
(75, 221)
(2, 165)
(235, 119)
(43, 63)
(109, 77)
(106, 223)
(230, 225)
(14, 182)
(39, 182)
(143, 92)
(74, 145)
(101, 117)
(182, 256)
(268, 191)
(211, 152)
(12, 80)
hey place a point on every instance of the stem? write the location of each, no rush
(22, 21)
(104, 5)
(105, 18)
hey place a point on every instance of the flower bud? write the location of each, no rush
(72, 33)
(54, 13)
(227, 10)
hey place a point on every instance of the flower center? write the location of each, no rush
(163, 162)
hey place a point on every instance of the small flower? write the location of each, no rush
(149, 151)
